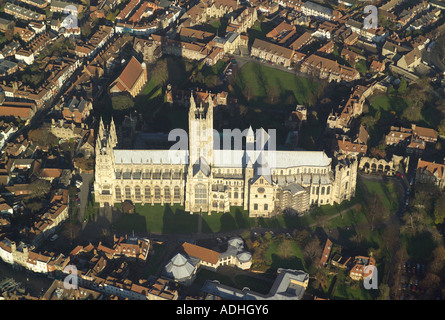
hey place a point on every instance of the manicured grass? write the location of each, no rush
(158, 219)
(273, 258)
(349, 218)
(387, 192)
(389, 103)
(237, 218)
(92, 208)
(361, 67)
(348, 292)
(343, 287)
(260, 79)
(174, 219)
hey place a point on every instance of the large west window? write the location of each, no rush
(200, 194)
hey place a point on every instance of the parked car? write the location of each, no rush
(54, 237)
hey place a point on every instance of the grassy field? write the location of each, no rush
(386, 103)
(261, 82)
(274, 260)
(158, 219)
(387, 192)
(92, 208)
(175, 220)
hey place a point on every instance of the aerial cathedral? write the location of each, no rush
(208, 176)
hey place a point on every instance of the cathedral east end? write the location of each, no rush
(203, 178)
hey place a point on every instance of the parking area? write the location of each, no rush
(410, 285)
(82, 182)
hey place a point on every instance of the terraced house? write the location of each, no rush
(328, 69)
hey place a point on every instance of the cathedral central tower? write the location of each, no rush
(201, 131)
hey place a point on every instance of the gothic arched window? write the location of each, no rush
(200, 194)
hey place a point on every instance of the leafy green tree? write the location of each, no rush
(403, 86)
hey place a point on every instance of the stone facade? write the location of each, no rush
(204, 178)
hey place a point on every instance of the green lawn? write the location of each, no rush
(348, 292)
(92, 208)
(174, 219)
(237, 218)
(341, 287)
(274, 260)
(361, 67)
(158, 219)
(387, 192)
(389, 103)
(260, 82)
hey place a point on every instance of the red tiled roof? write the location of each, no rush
(432, 167)
(201, 253)
(50, 172)
(130, 74)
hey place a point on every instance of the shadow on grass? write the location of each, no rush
(294, 263)
(130, 222)
(179, 221)
(420, 247)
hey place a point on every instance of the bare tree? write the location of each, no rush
(312, 251)
(376, 211)
(273, 92)
(285, 249)
(248, 91)
(415, 222)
